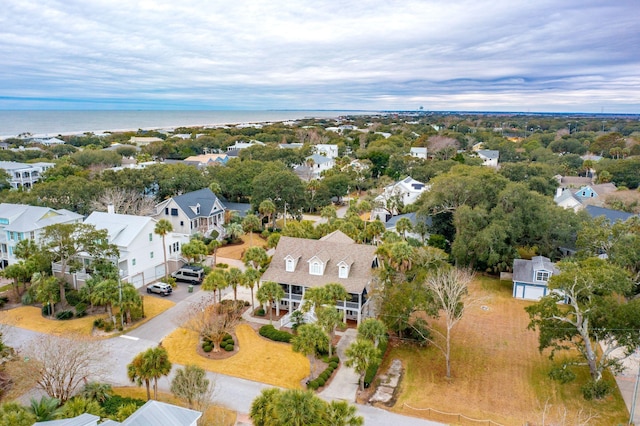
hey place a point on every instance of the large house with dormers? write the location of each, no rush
(196, 212)
(300, 263)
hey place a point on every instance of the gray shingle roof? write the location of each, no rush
(204, 197)
(337, 247)
(611, 215)
(489, 153)
(523, 269)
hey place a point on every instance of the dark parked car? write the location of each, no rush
(160, 288)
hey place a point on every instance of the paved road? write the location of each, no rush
(231, 392)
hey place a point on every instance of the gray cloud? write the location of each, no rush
(574, 55)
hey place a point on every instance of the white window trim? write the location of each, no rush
(542, 274)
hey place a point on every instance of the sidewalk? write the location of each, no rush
(344, 384)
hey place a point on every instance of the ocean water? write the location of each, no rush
(52, 123)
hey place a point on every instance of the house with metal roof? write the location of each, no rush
(531, 277)
(22, 175)
(20, 222)
(489, 157)
(196, 212)
(395, 196)
(152, 413)
(300, 263)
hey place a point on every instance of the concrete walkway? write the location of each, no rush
(344, 384)
(626, 381)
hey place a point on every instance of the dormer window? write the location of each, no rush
(290, 265)
(315, 268)
(542, 276)
(343, 271)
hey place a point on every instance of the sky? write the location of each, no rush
(454, 55)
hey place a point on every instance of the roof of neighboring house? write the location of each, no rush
(242, 208)
(574, 181)
(611, 215)
(81, 420)
(489, 153)
(337, 247)
(418, 149)
(523, 268)
(117, 146)
(604, 188)
(290, 145)
(566, 196)
(143, 140)
(158, 413)
(121, 228)
(592, 157)
(24, 218)
(208, 158)
(203, 197)
(319, 159)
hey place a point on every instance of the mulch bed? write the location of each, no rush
(223, 354)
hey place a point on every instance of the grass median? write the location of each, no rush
(258, 359)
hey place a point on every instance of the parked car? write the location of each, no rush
(189, 274)
(160, 288)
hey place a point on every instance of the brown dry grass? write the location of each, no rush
(258, 359)
(497, 371)
(214, 416)
(31, 318)
(237, 250)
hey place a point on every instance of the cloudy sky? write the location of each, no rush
(500, 55)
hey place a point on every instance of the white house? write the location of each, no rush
(24, 175)
(531, 277)
(49, 141)
(299, 264)
(196, 212)
(418, 152)
(395, 196)
(20, 222)
(141, 259)
(243, 145)
(327, 150)
(144, 140)
(489, 157)
(314, 166)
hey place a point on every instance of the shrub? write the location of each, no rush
(222, 265)
(27, 298)
(64, 315)
(321, 382)
(170, 280)
(207, 348)
(81, 310)
(228, 348)
(596, 390)
(260, 312)
(112, 405)
(46, 310)
(98, 323)
(73, 297)
(108, 326)
(227, 337)
(373, 368)
(313, 385)
(333, 365)
(562, 374)
(336, 360)
(270, 332)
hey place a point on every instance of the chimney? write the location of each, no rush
(559, 191)
(111, 209)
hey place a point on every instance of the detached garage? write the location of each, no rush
(530, 277)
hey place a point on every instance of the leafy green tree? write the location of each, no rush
(79, 405)
(106, 294)
(360, 355)
(267, 209)
(282, 187)
(372, 329)
(14, 414)
(18, 273)
(270, 292)
(404, 225)
(597, 315)
(194, 250)
(47, 291)
(162, 228)
(308, 340)
(191, 385)
(251, 223)
(67, 240)
(138, 373)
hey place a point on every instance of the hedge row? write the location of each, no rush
(325, 375)
(373, 368)
(270, 332)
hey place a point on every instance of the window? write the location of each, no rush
(314, 268)
(32, 235)
(182, 223)
(166, 211)
(343, 271)
(151, 255)
(174, 212)
(150, 236)
(133, 262)
(289, 265)
(542, 276)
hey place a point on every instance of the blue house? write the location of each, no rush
(531, 277)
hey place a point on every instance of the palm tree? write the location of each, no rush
(255, 257)
(138, 374)
(404, 225)
(309, 338)
(329, 318)
(235, 277)
(341, 413)
(372, 329)
(329, 213)
(216, 280)
(80, 405)
(213, 247)
(163, 227)
(401, 256)
(97, 391)
(267, 208)
(270, 292)
(130, 299)
(374, 229)
(234, 230)
(105, 294)
(251, 223)
(263, 407)
(157, 364)
(251, 279)
(297, 407)
(47, 290)
(360, 355)
(44, 410)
